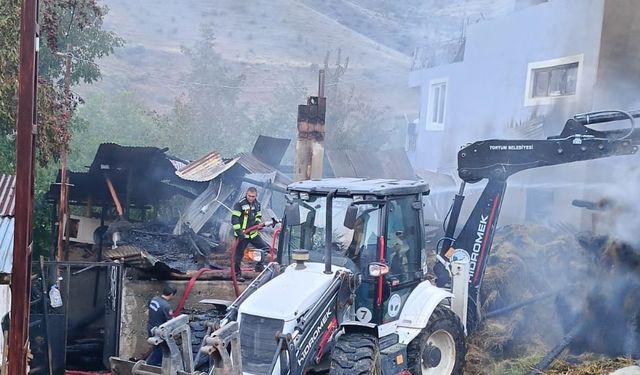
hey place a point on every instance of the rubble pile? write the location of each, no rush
(151, 247)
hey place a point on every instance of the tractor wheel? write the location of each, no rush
(440, 347)
(355, 354)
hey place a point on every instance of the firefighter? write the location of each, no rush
(246, 213)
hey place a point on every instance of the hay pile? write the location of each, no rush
(590, 366)
(526, 261)
(582, 365)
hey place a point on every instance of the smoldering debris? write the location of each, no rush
(588, 287)
(171, 216)
(526, 261)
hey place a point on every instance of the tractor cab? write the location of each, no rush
(370, 227)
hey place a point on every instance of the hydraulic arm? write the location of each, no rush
(495, 160)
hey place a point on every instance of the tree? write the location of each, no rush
(209, 116)
(77, 23)
(120, 119)
(279, 116)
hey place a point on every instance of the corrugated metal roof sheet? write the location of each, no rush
(149, 162)
(6, 244)
(7, 195)
(201, 209)
(206, 168)
(254, 165)
(393, 164)
(436, 179)
(270, 149)
(396, 164)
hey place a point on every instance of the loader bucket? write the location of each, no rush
(121, 366)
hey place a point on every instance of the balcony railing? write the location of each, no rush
(436, 54)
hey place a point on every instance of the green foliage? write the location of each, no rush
(63, 22)
(77, 24)
(352, 122)
(120, 119)
(9, 26)
(278, 117)
(42, 240)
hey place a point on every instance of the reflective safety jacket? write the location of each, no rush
(245, 215)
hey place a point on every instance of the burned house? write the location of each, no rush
(139, 217)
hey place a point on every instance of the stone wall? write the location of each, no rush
(136, 295)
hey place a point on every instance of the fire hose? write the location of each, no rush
(234, 279)
(234, 248)
(187, 290)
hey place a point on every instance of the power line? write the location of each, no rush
(184, 83)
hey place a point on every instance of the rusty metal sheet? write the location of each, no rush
(7, 195)
(206, 168)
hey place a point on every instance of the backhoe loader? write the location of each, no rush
(352, 294)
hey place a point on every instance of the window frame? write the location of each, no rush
(530, 100)
(431, 125)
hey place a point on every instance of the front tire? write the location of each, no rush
(355, 354)
(445, 332)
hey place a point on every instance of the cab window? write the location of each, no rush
(403, 250)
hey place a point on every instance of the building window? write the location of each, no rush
(552, 80)
(437, 104)
(559, 80)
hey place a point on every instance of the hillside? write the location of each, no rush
(272, 42)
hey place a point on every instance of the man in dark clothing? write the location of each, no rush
(246, 213)
(159, 312)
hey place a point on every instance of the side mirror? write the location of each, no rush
(350, 217)
(292, 213)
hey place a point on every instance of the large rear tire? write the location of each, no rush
(445, 333)
(355, 354)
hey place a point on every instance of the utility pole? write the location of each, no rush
(63, 207)
(25, 159)
(310, 144)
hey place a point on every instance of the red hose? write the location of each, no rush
(187, 290)
(234, 279)
(272, 251)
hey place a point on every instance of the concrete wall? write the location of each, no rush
(486, 91)
(135, 298)
(619, 67)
